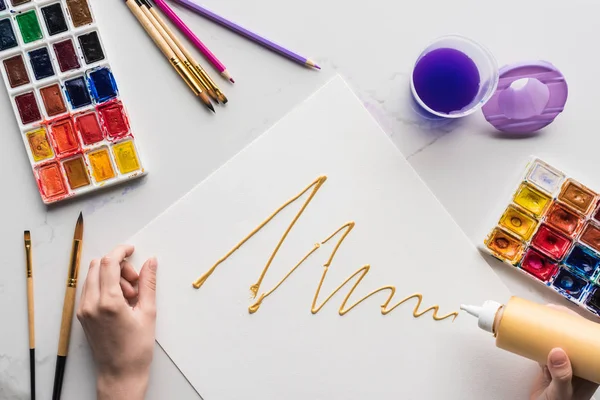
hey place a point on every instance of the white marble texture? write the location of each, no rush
(373, 45)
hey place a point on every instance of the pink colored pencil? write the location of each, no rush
(194, 39)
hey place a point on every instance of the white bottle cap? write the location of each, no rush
(486, 314)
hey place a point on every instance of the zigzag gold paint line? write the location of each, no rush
(254, 307)
(348, 227)
(315, 186)
(360, 273)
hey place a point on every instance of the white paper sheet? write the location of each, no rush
(283, 351)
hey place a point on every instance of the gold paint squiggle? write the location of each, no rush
(315, 186)
(345, 230)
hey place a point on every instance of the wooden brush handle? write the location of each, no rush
(184, 51)
(150, 29)
(163, 33)
(30, 313)
(180, 50)
(67, 321)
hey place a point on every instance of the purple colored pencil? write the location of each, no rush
(246, 33)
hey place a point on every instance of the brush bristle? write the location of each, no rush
(79, 228)
(27, 235)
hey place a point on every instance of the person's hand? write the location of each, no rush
(556, 381)
(118, 313)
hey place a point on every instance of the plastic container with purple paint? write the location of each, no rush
(454, 76)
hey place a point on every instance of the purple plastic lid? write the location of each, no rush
(522, 105)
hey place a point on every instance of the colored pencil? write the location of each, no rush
(164, 7)
(246, 33)
(195, 40)
(135, 6)
(187, 57)
(30, 310)
(68, 308)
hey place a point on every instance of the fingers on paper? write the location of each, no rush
(129, 291)
(91, 291)
(110, 276)
(147, 287)
(128, 272)
(129, 280)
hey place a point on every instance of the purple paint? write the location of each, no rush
(446, 80)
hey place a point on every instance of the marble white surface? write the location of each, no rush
(373, 46)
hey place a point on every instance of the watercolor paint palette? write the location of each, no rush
(551, 232)
(65, 97)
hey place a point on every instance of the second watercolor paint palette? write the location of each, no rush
(551, 231)
(65, 97)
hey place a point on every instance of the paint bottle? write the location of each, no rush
(532, 330)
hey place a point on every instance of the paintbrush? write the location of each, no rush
(30, 311)
(68, 308)
(175, 44)
(135, 6)
(186, 31)
(197, 42)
